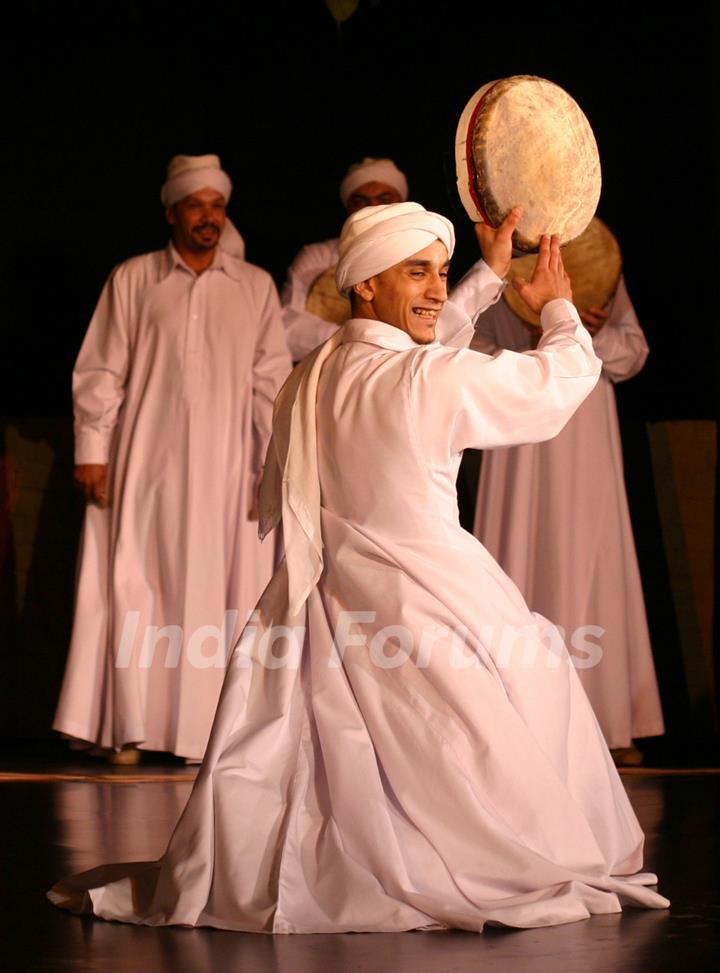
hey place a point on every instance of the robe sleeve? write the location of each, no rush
(479, 289)
(620, 343)
(305, 331)
(461, 399)
(271, 366)
(100, 373)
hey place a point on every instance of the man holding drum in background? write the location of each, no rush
(555, 514)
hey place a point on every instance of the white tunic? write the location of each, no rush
(173, 386)
(358, 781)
(555, 516)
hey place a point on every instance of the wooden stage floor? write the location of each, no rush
(59, 819)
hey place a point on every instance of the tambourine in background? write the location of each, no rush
(593, 262)
(325, 301)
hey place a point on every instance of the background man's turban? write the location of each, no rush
(373, 170)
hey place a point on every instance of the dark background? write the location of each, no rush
(100, 95)
(103, 93)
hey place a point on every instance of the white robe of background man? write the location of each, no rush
(173, 387)
(555, 516)
(364, 783)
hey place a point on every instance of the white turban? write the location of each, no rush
(373, 170)
(378, 237)
(187, 174)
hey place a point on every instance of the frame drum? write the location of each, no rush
(593, 261)
(524, 141)
(325, 301)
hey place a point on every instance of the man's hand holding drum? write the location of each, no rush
(593, 319)
(496, 244)
(549, 280)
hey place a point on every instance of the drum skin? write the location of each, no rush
(325, 301)
(594, 263)
(525, 141)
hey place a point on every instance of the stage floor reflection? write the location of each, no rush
(52, 827)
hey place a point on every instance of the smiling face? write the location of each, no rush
(372, 194)
(409, 295)
(197, 221)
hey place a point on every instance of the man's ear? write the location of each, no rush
(364, 290)
(170, 215)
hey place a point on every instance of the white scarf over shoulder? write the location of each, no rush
(373, 239)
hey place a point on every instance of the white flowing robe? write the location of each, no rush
(448, 787)
(555, 516)
(304, 330)
(173, 387)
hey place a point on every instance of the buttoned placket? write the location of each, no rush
(195, 323)
(196, 313)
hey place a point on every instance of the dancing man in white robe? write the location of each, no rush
(555, 516)
(398, 744)
(173, 391)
